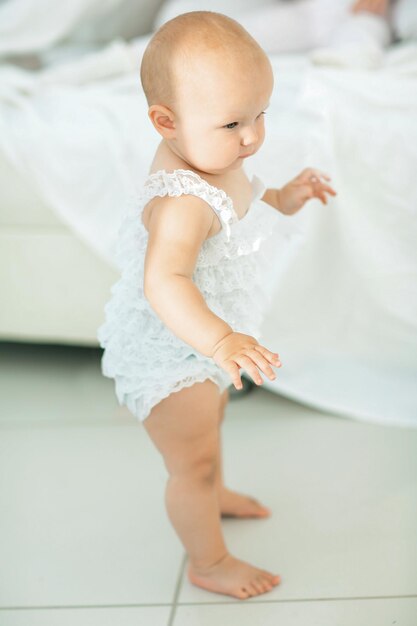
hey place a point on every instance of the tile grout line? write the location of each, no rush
(301, 600)
(175, 603)
(177, 591)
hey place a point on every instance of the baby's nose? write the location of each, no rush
(250, 136)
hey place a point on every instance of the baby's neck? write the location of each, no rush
(166, 154)
(165, 158)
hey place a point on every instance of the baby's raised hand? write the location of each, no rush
(237, 350)
(303, 187)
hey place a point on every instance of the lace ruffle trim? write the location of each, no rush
(181, 181)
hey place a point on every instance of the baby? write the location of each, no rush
(184, 316)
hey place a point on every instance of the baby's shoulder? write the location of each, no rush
(187, 190)
(177, 212)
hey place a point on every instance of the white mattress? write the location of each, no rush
(21, 202)
(53, 285)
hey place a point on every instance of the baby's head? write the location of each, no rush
(207, 83)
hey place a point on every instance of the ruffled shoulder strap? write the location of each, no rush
(180, 181)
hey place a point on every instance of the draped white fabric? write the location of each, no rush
(35, 26)
(344, 311)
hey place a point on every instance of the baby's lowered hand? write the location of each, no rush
(237, 350)
(305, 186)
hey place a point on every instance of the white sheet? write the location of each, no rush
(32, 25)
(344, 312)
(44, 26)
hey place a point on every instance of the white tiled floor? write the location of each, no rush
(84, 534)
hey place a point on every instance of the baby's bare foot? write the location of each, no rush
(233, 504)
(233, 577)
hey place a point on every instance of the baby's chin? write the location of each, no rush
(221, 169)
(237, 163)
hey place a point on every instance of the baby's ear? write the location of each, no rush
(163, 120)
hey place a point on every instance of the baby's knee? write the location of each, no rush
(201, 468)
(205, 469)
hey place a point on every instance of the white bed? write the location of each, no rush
(343, 317)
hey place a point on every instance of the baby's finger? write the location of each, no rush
(319, 174)
(234, 371)
(262, 364)
(272, 357)
(322, 197)
(329, 190)
(247, 363)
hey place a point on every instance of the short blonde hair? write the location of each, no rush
(187, 36)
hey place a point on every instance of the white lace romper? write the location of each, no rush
(146, 359)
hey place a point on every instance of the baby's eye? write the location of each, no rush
(234, 124)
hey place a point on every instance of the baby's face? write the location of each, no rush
(219, 114)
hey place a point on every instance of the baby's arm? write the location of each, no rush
(271, 197)
(178, 226)
(292, 197)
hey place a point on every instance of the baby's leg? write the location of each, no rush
(232, 503)
(184, 428)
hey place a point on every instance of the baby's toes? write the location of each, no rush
(243, 593)
(256, 585)
(265, 584)
(274, 579)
